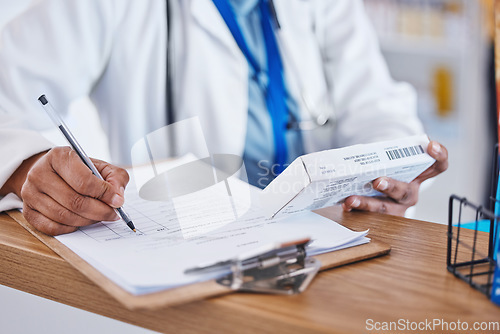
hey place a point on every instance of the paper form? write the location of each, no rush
(200, 228)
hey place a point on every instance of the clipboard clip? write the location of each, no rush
(283, 268)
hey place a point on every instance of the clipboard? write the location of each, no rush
(203, 290)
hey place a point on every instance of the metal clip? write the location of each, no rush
(281, 269)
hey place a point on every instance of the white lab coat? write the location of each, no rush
(114, 51)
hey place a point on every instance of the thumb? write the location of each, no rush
(440, 154)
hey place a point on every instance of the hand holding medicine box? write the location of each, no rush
(325, 178)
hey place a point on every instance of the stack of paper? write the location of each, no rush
(193, 230)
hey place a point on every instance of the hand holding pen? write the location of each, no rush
(60, 193)
(81, 153)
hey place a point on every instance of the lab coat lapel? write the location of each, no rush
(304, 70)
(299, 49)
(215, 79)
(208, 17)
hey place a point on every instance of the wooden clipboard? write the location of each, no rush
(185, 294)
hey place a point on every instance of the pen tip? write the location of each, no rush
(134, 230)
(130, 224)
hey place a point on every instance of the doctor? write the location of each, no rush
(267, 81)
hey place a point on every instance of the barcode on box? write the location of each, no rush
(405, 152)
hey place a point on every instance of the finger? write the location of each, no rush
(44, 224)
(115, 175)
(73, 171)
(437, 151)
(440, 153)
(373, 204)
(350, 203)
(55, 187)
(54, 211)
(400, 192)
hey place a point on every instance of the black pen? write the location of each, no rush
(79, 150)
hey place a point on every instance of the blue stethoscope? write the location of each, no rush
(320, 115)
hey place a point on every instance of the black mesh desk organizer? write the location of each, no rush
(467, 256)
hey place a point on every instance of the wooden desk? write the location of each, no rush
(410, 283)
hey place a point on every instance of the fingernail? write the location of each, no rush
(116, 217)
(436, 148)
(355, 203)
(383, 185)
(116, 201)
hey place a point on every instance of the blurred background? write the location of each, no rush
(442, 47)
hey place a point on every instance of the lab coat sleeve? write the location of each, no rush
(370, 106)
(58, 48)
